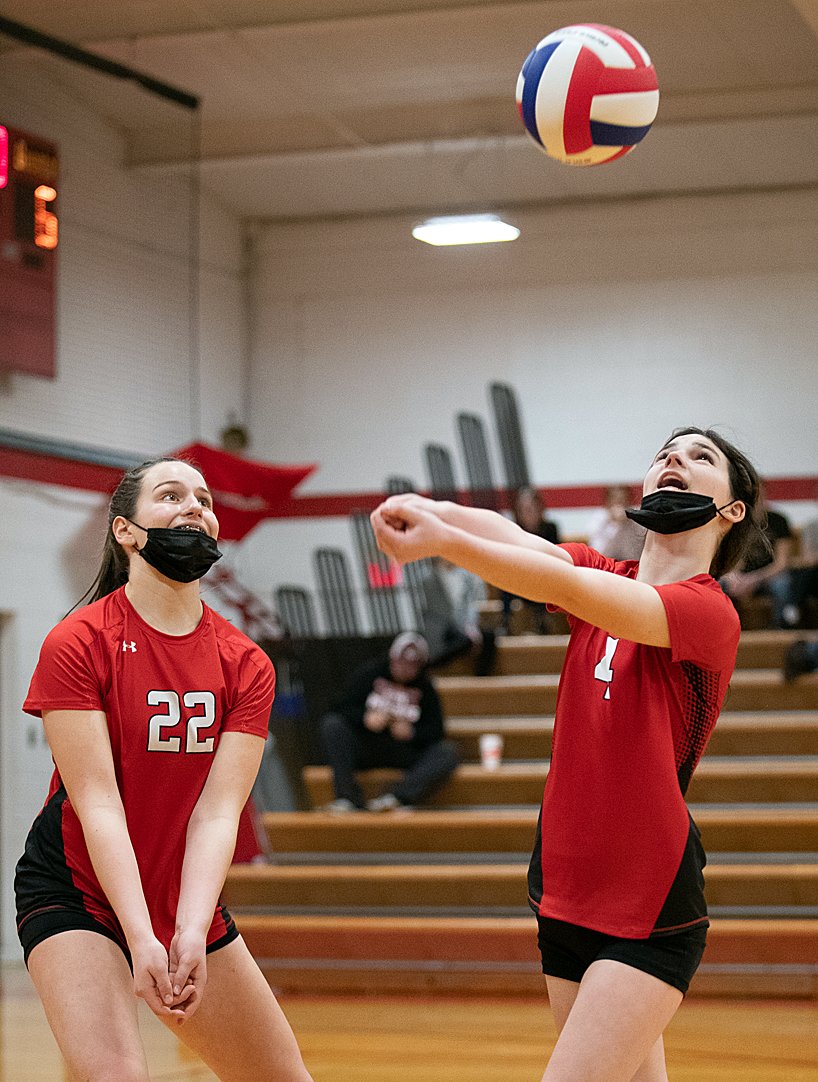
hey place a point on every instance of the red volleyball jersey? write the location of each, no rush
(167, 699)
(616, 848)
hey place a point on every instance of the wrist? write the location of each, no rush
(192, 926)
(139, 937)
(452, 540)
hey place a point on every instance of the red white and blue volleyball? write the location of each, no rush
(587, 94)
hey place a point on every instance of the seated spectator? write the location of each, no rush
(765, 571)
(451, 625)
(611, 533)
(528, 510)
(389, 715)
(529, 513)
(804, 578)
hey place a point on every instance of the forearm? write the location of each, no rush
(777, 567)
(211, 832)
(112, 855)
(492, 526)
(623, 607)
(209, 850)
(754, 580)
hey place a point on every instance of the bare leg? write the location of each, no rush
(611, 1027)
(239, 1029)
(87, 991)
(654, 1068)
(561, 997)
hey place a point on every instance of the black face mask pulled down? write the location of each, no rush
(181, 555)
(674, 511)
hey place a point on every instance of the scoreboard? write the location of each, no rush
(29, 236)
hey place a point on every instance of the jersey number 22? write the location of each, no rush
(191, 699)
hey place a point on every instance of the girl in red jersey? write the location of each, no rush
(616, 874)
(156, 711)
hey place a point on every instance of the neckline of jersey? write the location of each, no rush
(163, 636)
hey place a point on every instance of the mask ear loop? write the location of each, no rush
(729, 503)
(143, 528)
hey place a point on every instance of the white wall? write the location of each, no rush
(614, 324)
(123, 383)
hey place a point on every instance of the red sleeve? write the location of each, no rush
(250, 710)
(65, 677)
(703, 623)
(583, 556)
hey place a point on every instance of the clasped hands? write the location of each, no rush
(378, 720)
(410, 527)
(171, 982)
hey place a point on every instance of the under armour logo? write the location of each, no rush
(129, 646)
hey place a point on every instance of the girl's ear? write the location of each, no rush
(123, 532)
(735, 512)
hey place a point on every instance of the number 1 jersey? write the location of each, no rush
(616, 848)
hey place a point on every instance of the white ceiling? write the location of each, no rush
(328, 108)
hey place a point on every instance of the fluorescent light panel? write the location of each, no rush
(465, 229)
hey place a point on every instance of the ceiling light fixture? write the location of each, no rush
(465, 229)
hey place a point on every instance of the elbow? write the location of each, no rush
(566, 597)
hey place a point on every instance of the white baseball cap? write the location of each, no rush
(410, 641)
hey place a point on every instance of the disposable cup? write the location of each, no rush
(491, 750)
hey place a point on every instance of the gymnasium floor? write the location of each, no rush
(449, 1039)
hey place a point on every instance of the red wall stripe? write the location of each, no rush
(58, 471)
(89, 476)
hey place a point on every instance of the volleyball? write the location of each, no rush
(587, 94)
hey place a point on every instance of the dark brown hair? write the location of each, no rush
(745, 485)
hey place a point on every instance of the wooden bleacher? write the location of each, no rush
(434, 899)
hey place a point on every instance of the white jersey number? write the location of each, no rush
(604, 667)
(169, 720)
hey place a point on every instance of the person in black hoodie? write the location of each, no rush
(389, 715)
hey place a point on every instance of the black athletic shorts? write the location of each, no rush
(34, 927)
(568, 950)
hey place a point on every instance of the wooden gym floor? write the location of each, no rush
(448, 1039)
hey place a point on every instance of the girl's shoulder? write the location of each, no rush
(233, 644)
(87, 623)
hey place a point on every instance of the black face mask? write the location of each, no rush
(674, 511)
(181, 555)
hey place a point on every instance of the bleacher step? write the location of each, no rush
(464, 886)
(502, 830)
(499, 955)
(521, 654)
(740, 733)
(715, 781)
(536, 694)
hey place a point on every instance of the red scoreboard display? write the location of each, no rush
(29, 235)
